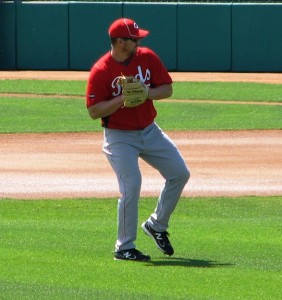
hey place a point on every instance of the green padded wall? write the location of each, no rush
(257, 38)
(161, 21)
(187, 36)
(7, 36)
(88, 30)
(42, 36)
(204, 37)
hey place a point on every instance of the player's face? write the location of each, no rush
(130, 46)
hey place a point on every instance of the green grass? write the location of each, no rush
(45, 87)
(228, 91)
(235, 91)
(45, 115)
(225, 248)
(54, 114)
(207, 116)
(70, 115)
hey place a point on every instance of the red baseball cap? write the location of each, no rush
(126, 28)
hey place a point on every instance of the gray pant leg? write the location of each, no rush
(129, 187)
(124, 161)
(168, 161)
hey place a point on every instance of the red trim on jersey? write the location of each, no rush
(146, 66)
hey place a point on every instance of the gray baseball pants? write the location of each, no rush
(123, 149)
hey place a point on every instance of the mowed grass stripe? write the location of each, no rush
(65, 115)
(225, 91)
(70, 97)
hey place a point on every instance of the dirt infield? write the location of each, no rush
(222, 163)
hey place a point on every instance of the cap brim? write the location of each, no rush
(143, 33)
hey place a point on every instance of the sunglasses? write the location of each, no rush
(131, 39)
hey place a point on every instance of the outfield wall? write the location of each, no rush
(188, 37)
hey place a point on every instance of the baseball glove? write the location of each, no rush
(134, 91)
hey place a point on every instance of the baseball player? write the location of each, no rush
(121, 90)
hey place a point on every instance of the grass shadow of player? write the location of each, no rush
(186, 262)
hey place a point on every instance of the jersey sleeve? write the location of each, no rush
(97, 87)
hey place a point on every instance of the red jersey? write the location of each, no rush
(102, 85)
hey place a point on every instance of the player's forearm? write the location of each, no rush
(160, 92)
(105, 108)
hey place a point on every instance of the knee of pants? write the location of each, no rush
(131, 186)
(183, 174)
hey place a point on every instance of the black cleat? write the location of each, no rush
(131, 254)
(160, 238)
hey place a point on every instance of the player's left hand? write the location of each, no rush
(134, 91)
